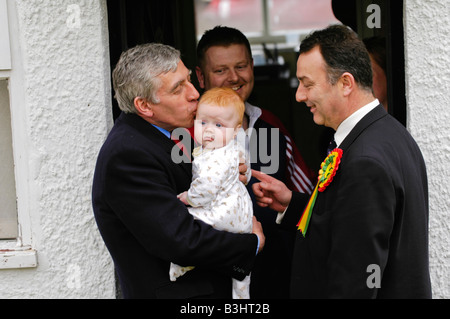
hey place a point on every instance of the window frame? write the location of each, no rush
(5, 51)
(19, 252)
(8, 209)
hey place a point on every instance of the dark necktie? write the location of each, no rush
(331, 146)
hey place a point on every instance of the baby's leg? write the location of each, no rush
(176, 271)
(241, 289)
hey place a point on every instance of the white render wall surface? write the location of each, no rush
(60, 119)
(427, 50)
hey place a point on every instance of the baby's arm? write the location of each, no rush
(208, 179)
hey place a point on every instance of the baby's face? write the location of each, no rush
(215, 126)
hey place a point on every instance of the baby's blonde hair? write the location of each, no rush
(224, 97)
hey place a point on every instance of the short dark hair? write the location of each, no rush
(220, 36)
(377, 48)
(342, 51)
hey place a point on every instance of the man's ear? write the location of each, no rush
(200, 77)
(143, 107)
(347, 82)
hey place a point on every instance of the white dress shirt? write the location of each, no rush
(342, 131)
(350, 122)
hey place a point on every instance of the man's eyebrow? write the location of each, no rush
(180, 83)
(177, 85)
(304, 78)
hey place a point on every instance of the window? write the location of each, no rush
(265, 21)
(8, 209)
(244, 15)
(294, 16)
(15, 242)
(5, 53)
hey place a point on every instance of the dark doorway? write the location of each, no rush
(133, 22)
(355, 14)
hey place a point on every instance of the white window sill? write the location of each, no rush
(5, 74)
(17, 257)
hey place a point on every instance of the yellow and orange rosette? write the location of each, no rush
(328, 169)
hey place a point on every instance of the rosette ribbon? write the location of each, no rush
(328, 169)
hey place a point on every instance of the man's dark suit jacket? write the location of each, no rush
(145, 226)
(373, 214)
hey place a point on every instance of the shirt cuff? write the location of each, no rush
(280, 216)
(257, 246)
(248, 174)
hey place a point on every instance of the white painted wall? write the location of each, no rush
(427, 49)
(61, 112)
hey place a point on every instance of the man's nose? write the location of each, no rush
(233, 77)
(192, 92)
(300, 95)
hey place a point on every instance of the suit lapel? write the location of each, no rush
(153, 134)
(373, 116)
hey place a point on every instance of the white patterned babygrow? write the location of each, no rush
(219, 199)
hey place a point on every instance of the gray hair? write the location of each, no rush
(137, 73)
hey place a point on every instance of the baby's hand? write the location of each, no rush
(244, 172)
(183, 197)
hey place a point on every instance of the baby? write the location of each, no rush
(216, 195)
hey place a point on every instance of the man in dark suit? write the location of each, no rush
(368, 231)
(136, 182)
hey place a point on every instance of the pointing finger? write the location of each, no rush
(262, 177)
